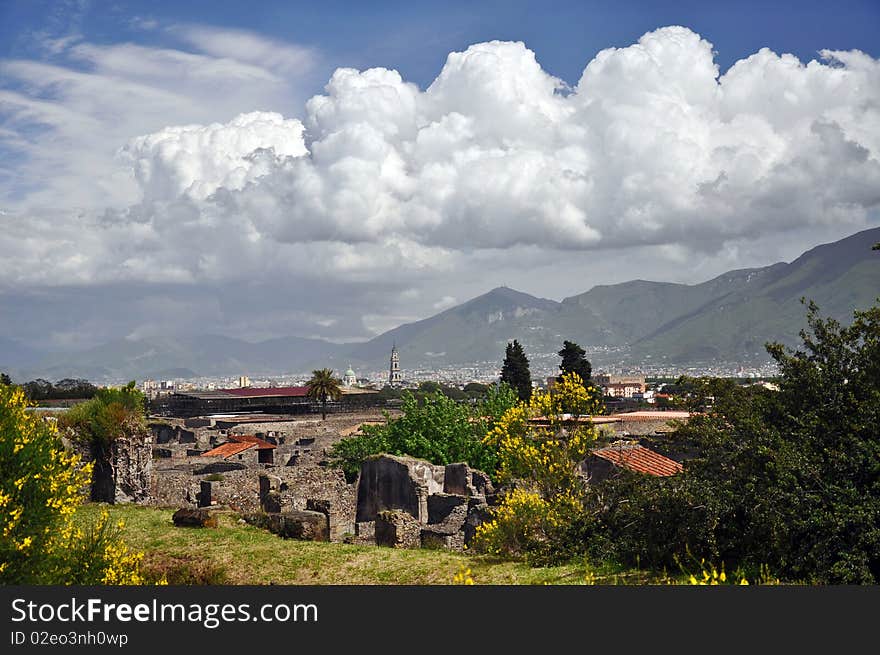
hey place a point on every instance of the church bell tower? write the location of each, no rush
(394, 370)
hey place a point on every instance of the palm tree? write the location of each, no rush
(323, 387)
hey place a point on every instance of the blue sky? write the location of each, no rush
(163, 165)
(415, 37)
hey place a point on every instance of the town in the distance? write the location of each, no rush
(589, 460)
(639, 336)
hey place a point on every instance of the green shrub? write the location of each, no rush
(437, 428)
(787, 479)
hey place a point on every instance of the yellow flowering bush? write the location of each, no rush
(709, 575)
(463, 577)
(540, 445)
(528, 525)
(40, 487)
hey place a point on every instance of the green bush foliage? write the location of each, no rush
(436, 428)
(787, 479)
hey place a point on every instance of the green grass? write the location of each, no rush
(243, 554)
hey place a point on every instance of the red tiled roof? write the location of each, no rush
(257, 392)
(249, 438)
(227, 450)
(639, 459)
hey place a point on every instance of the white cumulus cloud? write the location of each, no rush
(650, 147)
(197, 160)
(496, 168)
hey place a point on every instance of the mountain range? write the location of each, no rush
(726, 319)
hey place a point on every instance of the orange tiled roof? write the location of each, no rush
(251, 439)
(639, 459)
(227, 450)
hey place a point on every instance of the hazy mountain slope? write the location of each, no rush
(727, 318)
(839, 277)
(472, 331)
(632, 310)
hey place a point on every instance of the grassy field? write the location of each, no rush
(236, 553)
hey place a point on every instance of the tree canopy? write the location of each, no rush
(67, 388)
(515, 370)
(788, 479)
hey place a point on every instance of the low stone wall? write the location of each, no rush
(640, 428)
(303, 525)
(298, 488)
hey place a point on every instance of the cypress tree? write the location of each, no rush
(574, 361)
(515, 370)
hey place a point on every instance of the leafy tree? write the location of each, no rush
(389, 393)
(476, 389)
(40, 483)
(453, 392)
(515, 370)
(788, 479)
(323, 387)
(5, 379)
(429, 387)
(499, 398)
(97, 424)
(437, 429)
(74, 388)
(38, 389)
(41, 389)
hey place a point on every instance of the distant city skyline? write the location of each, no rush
(336, 171)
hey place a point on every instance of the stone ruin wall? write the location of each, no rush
(132, 463)
(303, 480)
(403, 502)
(131, 466)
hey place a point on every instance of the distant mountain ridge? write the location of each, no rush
(161, 357)
(728, 318)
